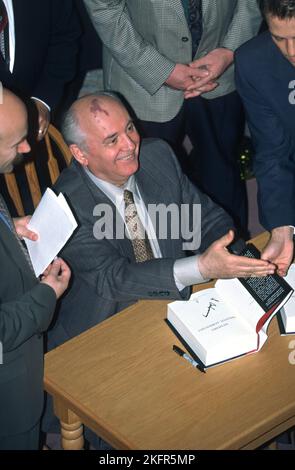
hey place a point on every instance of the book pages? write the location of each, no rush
(288, 311)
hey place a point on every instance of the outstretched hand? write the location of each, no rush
(218, 262)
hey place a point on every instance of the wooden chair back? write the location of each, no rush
(56, 149)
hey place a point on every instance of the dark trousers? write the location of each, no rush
(28, 440)
(215, 128)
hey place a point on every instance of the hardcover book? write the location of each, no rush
(231, 319)
(286, 316)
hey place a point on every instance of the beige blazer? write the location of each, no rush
(143, 39)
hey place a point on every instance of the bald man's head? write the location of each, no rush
(13, 131)
(82, 112)
(102, 137)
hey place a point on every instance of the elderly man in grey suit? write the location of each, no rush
(173, 62)
(26, 305)
(115, 182)
(110, 163)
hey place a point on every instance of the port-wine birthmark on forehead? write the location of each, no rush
(96, 108)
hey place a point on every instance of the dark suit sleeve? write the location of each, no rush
(273, 161)
(29, 315)
(115, 277)
(61, 62)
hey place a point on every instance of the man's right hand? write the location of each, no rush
(279, 249)
(57, 276)
(218, 262)
(182, 77)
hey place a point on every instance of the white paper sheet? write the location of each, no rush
(54, 223)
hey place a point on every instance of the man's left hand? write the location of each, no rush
(44, 118)
(21, 227)
(215, 62)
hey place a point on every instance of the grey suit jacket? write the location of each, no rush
(144, 39)
(106, 277)
(26, 309)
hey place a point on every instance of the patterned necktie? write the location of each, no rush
(141, 244)
(5, 217)
(4, 33)
(193, 12)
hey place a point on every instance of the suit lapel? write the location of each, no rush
(205, 6)
(177, 5)
(3, 66)
(14, 250)
(152, 192)
(99, 197)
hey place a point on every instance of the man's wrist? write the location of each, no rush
(187, 273)
(229, 53)
(286, 231)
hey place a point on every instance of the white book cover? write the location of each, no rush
(211, 329)
(54, 223)
(287, 313)
(224, 322)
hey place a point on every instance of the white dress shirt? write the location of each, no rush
(10, 14)
(185, 270)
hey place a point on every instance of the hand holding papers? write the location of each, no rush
(54, 223)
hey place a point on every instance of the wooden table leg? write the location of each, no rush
(71, 426)
(72, 436)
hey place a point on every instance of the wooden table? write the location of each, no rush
(122, 379)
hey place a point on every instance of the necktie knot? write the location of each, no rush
(128, 198)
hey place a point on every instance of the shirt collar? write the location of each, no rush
(113, 192)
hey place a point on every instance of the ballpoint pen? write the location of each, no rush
(183, 354)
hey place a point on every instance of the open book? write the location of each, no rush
(230, 320)
(54, 223)
(286, 316)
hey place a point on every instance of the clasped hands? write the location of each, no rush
(200, 76)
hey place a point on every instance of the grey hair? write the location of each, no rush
(71, 129)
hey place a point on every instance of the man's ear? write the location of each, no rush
(79, 155)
